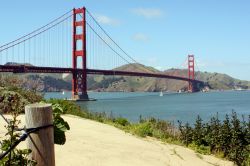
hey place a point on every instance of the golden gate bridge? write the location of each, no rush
(75, 43)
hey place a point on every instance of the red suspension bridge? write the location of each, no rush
(75, 43)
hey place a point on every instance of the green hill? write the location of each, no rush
(59, 82)
(123, 83)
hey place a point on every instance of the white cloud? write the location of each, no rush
(107, 20)
(148, 12)
(140, 37)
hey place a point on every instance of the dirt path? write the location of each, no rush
(95, 144)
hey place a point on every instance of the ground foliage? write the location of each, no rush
(228, 138)
(15, 83)
(12, 101)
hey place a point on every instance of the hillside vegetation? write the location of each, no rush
(59, 82)
(123, 83)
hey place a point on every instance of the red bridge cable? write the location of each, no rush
(197, 74)
(113, 40)
(36, 34)
(37, 29)
(106, 43)
(110, 37)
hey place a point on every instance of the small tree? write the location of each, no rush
(214, 134)
(198, 132)
(238, 147)
(226, 136)
(186, 133)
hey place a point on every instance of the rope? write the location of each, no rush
(5, 119)
(23, 137)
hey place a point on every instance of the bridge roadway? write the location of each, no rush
(35, 69)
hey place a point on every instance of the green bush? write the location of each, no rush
(200, 149)
(143, 129)
(67, 106)
(10, 98)
(11, 102)
(121, 121)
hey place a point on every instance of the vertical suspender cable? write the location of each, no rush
(24, 53)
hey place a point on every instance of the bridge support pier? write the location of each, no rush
(82, 97)
(193, 87)
(79, 85)
(197, 86)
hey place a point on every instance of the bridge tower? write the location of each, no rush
(79, 77)
(191, 73)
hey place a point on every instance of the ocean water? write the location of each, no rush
(171, 106)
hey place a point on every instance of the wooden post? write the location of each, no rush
(41, 142)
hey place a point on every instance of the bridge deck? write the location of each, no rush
(34, 69)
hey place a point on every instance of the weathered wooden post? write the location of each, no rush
(41, 142)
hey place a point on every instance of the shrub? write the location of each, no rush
(200, 149)
(11, 101)
(16, 99)
(121, 121)
(143, 129)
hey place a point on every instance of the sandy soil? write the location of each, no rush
(95, 144)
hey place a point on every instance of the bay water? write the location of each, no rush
(171, 106)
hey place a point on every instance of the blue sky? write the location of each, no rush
(159, 33)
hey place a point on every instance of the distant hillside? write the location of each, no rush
(17, 64)
(123, 83)
(223, 81)
(59, 82)
(39, 82)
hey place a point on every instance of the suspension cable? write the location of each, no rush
(36, 29)
(107, 43)
(112, 41)
(37, 33)
(110, 37)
